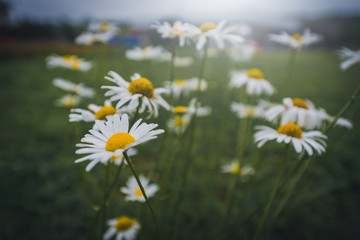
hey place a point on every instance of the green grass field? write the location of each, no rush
(45, 195)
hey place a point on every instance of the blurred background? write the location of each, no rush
(44, 195)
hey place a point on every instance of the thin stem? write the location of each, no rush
(293, 53)
(143, 192)
(172, 70)
(272, 196)
(106, 182)
(306, 163)
(99, 212)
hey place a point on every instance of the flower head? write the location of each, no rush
(348, 57)
(146, 53)
(292, 133)
(217, 32)
(245, 111)
(234, 168)
(68, 101)
(254, 80)
(68, 61)
(139, 88)
(122, 227)
(296, 40)
(180, 30)
(133, 191)
(112, 138)
(78, 89)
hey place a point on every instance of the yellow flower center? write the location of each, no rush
(300, 103)
(72, 61)
(124, 223)
(118, 141)
(175, 29)
(68, 58)
(297, 37)
(69, 102)
(180, 82)
(141, 86)
(104, 26)
(250, 112)
(235, 168)
(207, 26)
(290, 129)
(138, 193)
(180, 109)
(255, 73)
(116, 157)
(105, 111)
(179, 121)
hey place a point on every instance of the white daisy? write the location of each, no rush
(68, 101)
(146, 53)
(183, 61)
(89, 38)
(113, 138)
(179, 123)
(194, 84)
(290, 132)
(218, 33)
(138, 89)
(254, 81)
(183, 31)
(68, 61)
(243, 53)
(245, 111)
(348, 57)
(78, 89)
(133, 191)
(96, 112)
(104, 27)
(297, 110)
(234, 168)
(124, 228)
(296, 40)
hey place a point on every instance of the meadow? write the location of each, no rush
(44, 195)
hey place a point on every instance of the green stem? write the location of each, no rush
(143, 192)
(306, 163)
(172, 70)
(99, 212)
(106, 182)
(272, 196)
(293, 53)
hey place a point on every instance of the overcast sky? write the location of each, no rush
(145, 11)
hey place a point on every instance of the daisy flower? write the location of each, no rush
(183, 61)
(113, 138)
(292, 133)
(183, 31)
(297, 110)
(89, 38)
(342, 122)
(96, 112)
(68, 101)
(133, 191)
(179, 123)
(348, 57)
(243, 53)
(296, 40)
(146, 53)
(123, 228)
(234, 168)
(68, 61)
(219, 33)
(139, 88)
(254, 81)
(104, 27)
(194, 84)
(71, 87)
(245, 111)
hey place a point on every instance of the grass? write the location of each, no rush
(46, 196)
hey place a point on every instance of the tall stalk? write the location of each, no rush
(143, 192)
(272, 196)
(288, 79)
